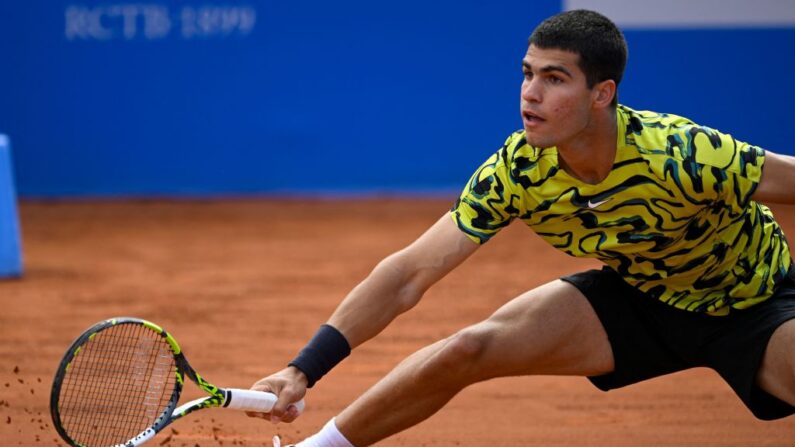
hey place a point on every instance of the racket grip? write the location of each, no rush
(251, 400)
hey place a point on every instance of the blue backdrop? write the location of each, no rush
(224, 98)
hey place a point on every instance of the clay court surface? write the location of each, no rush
(243, 284)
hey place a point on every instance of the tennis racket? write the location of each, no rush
(119, 383)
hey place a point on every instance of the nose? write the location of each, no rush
(531, 90)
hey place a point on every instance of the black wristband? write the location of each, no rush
(326, 349)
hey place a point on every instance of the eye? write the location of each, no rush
(528, 74)
(555, 80)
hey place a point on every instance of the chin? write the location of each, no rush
(537, 141)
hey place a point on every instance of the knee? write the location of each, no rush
(466, 346)
(460, 356)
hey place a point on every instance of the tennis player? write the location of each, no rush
(697, 271)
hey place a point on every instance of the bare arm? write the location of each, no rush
(398, 282)
(778, 180)
(394, 286)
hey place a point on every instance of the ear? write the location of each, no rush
(603, 93)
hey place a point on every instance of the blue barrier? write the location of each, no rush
(10, 247)
(236, 97)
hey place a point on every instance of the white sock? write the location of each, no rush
(328, 436)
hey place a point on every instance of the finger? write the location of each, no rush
(291, 414)
(279, 410)
(256, 414)
(264, 386)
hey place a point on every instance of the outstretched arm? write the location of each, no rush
(398, 282)
(394, 286)
(778, 180)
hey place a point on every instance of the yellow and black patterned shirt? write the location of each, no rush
(674, 217)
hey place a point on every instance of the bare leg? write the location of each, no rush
(549, 330)
(777, 373)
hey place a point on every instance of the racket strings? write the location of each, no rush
(117, 385)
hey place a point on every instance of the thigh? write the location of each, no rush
(549, 330)
(644, 333)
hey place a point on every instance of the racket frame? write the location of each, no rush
(218, 397)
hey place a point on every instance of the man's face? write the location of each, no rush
(555, 100)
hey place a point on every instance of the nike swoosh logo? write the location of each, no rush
(593, 205)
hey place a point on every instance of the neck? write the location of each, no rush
(590, 154)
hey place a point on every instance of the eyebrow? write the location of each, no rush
(548, 68)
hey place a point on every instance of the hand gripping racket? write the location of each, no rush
(119, 383)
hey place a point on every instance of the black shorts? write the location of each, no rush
(650, 338)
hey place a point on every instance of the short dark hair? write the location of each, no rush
(594, 37)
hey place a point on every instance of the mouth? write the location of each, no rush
(530, 117)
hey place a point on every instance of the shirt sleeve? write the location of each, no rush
(727, 169)
(488, 201)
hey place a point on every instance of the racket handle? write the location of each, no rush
(251, 400)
